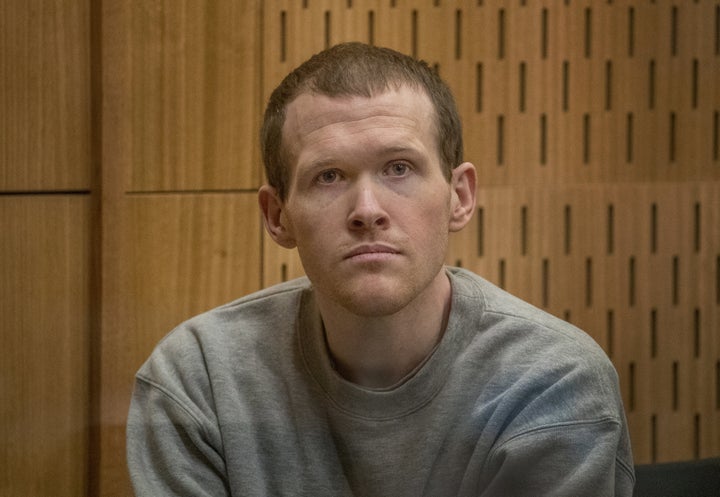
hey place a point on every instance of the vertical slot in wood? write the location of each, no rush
(501, 34)
(653, 333)
(458, 34)
(565, 85)
(328, 29)
(586, 139)
(608, 84)
(479, 87)
(371, 27)
(523, 229)
(631, 387)
(414, 33)
(567, 218)
(653, 438)
(696, 438)
(653, 228)
(674, 31)
(651, 84)
(717, 29)
(631, 31)
(501, 273)
(671, 138)
(588, 33)
(546, 282)
(500, 139)
(694, 86)
(610, 229)
(283, 36)
(697, 236)
(717, 386)
(696, 333)
(610, 332)
(629, 138)
(522, 84)
(480, 232)
(544, 34)
(588, 282)
(543, 139)
(631, 282)
(675, 280)
(717, 280)
(716, 136)
(675, 386)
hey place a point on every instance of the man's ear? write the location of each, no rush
(274, 218)
(463, 182)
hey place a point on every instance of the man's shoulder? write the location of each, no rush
(266, 317)
(518, 324)
(274, 302)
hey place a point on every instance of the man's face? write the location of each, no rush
(367, 206)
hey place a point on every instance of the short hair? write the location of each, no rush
(358, 69)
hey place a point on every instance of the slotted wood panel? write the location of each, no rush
(594, 128)
(44, 301)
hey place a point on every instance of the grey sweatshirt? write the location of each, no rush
(243, 401)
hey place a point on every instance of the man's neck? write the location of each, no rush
(381, 351)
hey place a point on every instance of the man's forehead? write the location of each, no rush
(310, 111)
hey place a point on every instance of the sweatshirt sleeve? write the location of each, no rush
(565, 459)
(171, 448)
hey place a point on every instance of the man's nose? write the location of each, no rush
(366, 211)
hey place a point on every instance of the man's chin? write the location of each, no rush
(374, 300)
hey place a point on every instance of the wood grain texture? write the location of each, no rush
(44, 301)
(192, 95)
(45, 101)
(592, 145)
(176, 256)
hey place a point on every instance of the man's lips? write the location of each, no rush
(370, 250)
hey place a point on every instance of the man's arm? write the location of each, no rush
(171, 448)
(566, 459)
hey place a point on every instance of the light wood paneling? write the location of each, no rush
(176, 256)
(44, 301)
(636, 266)
(192, 94)
(181, 230)
(594, 127)
(45, 99)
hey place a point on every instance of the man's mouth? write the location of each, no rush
(371, 251)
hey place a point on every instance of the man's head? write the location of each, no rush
(356, 69)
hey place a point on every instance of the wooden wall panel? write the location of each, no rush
(45, 141)
(177, 255)
(192, 71)
(636, 267)
(44, 301)
(594, 127)
(181, 229)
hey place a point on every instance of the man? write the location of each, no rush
(383, 373)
